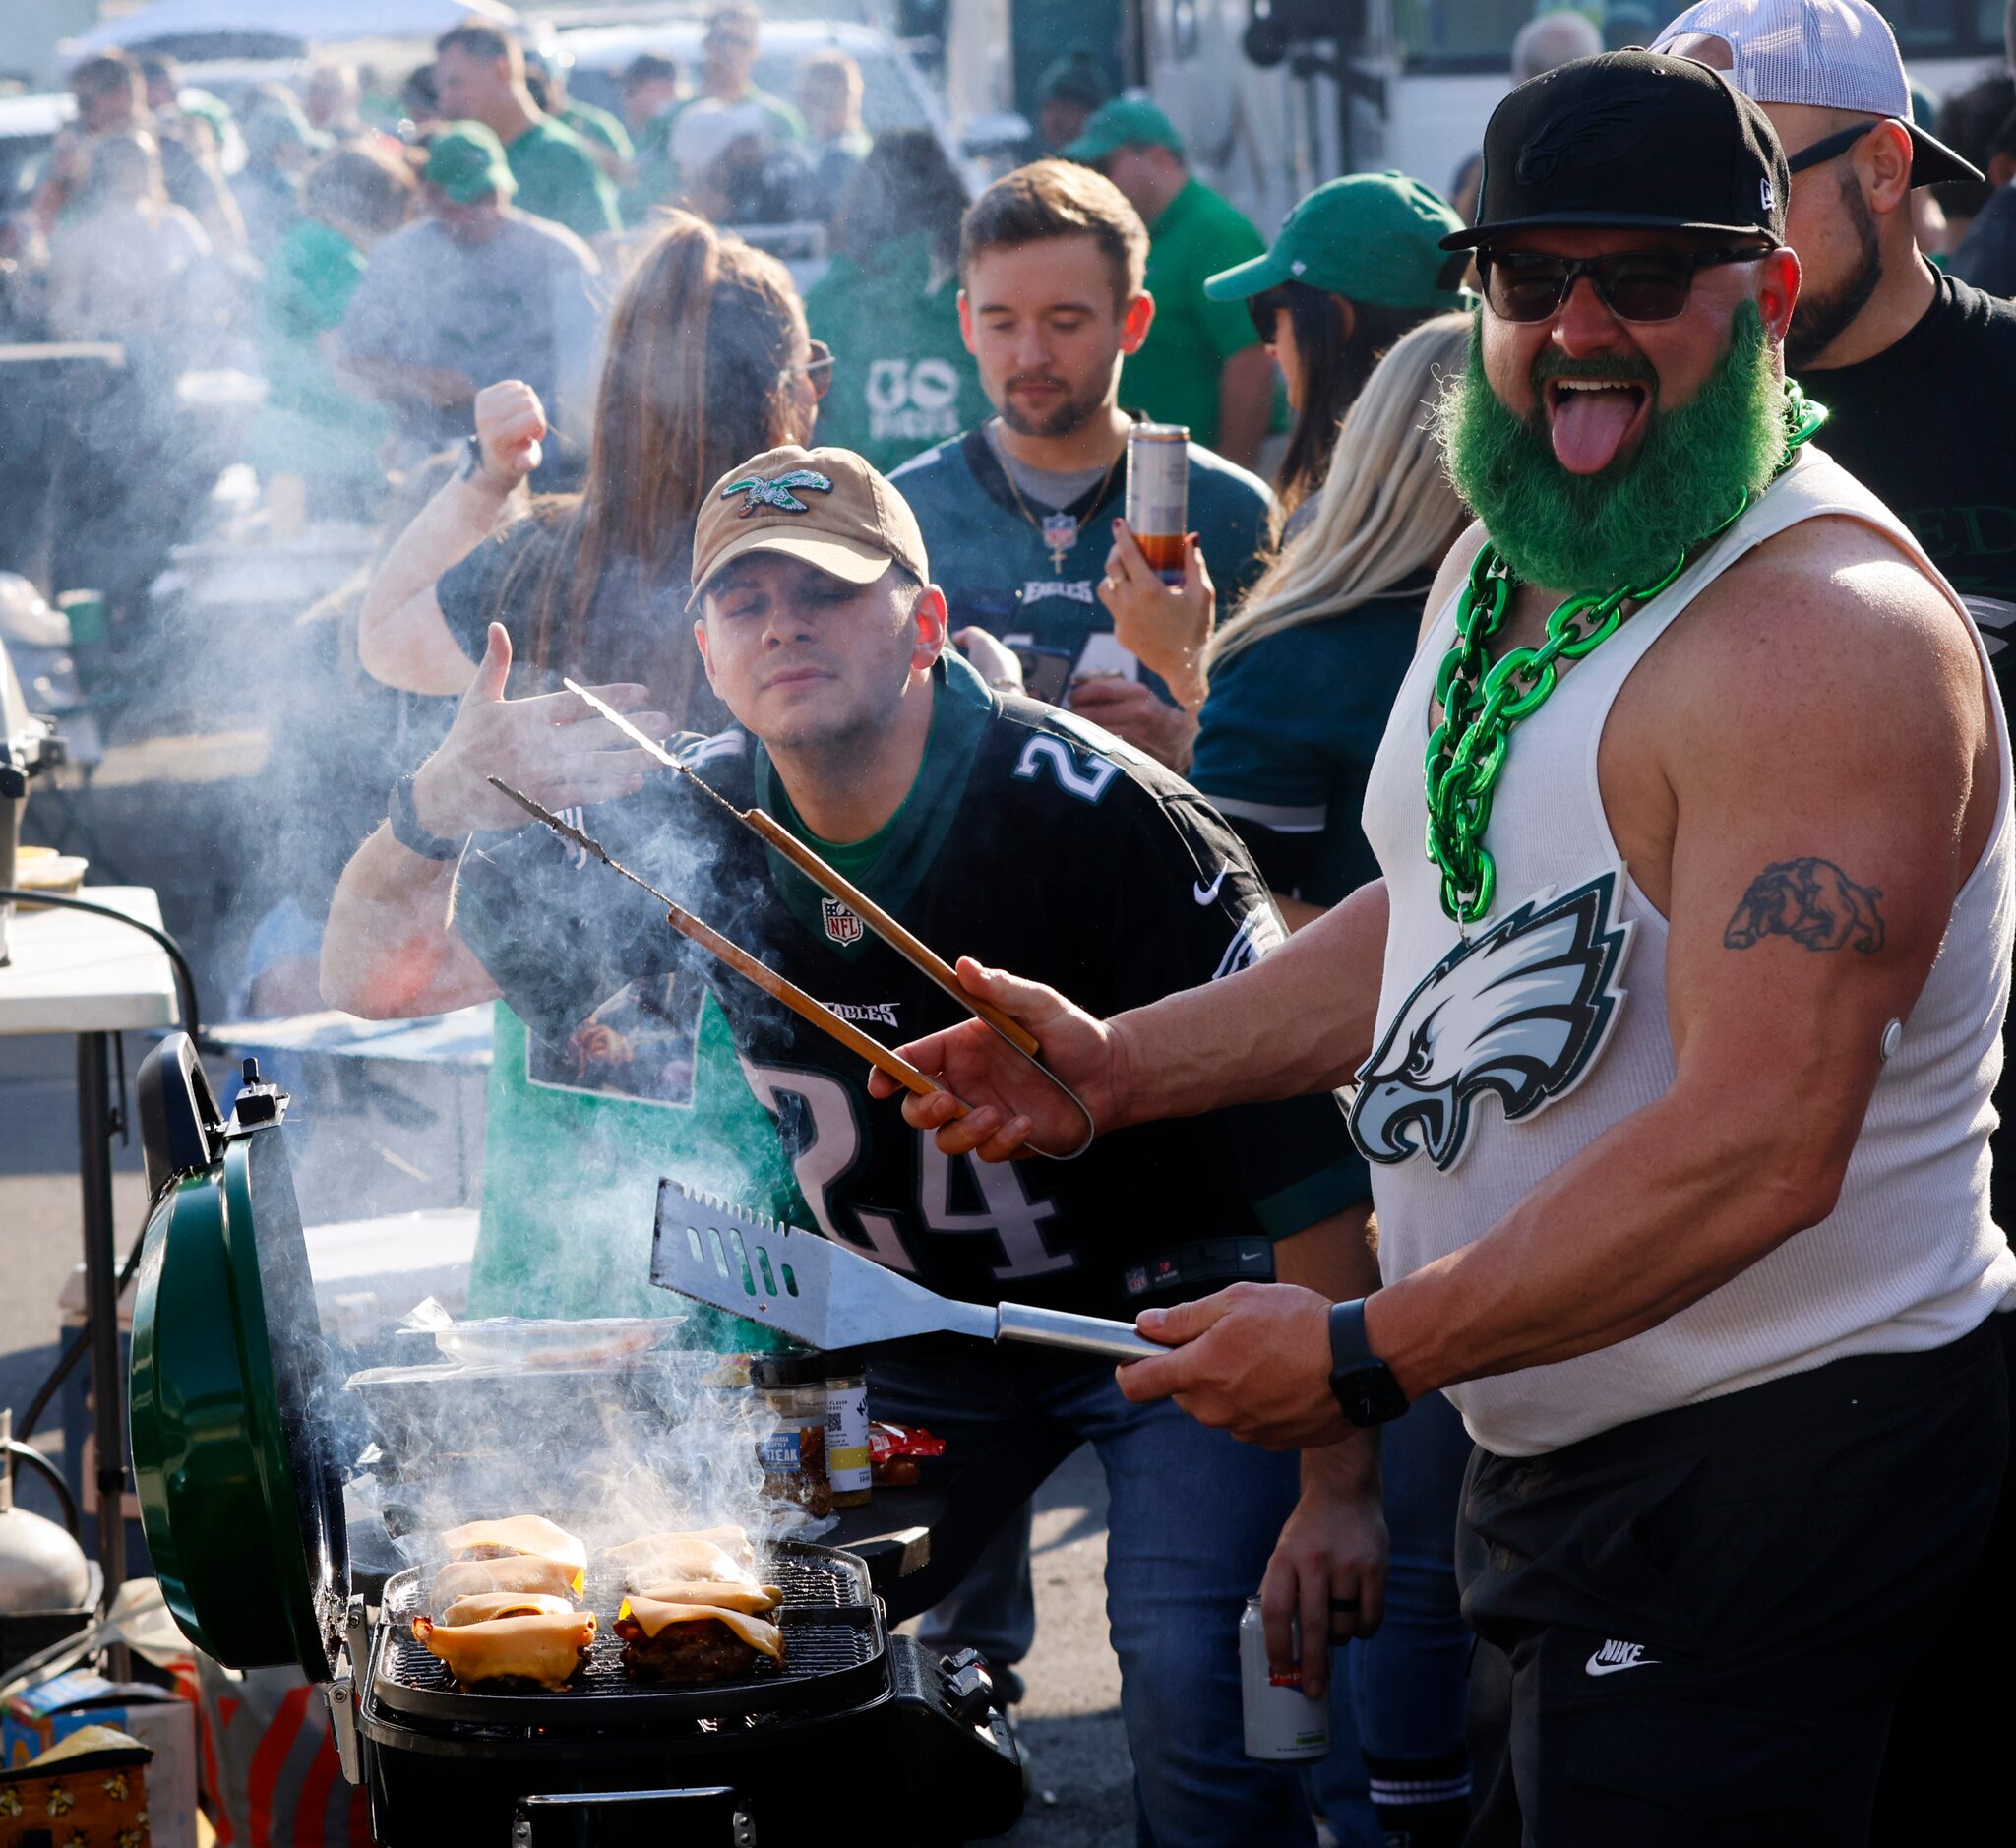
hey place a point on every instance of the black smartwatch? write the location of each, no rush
(407, 829)
(1363, 1382)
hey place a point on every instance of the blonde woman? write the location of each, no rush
(1293, 690)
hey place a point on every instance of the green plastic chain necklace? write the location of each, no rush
(1482, 700)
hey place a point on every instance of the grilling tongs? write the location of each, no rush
(828, 1297)
(919, 955)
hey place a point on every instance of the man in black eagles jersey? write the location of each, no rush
(1005, 830)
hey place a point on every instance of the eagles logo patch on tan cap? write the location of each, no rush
(825, 505)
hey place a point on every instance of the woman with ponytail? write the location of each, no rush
(707, 363)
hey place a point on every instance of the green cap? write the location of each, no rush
(1124, 122)
(466, 161)
(1375, 237)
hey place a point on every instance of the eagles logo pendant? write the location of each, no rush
(1521, 1010)
(1060, 533)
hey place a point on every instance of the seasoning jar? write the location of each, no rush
(847, 1461)
(793, 1388)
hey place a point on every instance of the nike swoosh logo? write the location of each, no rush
(1594, 1667)
(1205, 895)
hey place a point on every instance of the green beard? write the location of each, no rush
(1627, 524)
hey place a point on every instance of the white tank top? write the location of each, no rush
(1499, 1062)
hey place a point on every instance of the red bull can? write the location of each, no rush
(1158, 494)
(1281, 1721)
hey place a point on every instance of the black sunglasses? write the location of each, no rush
(1634, 284)
(1265, 310)
(1816, 153)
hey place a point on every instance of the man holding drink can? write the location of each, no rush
(1021, 512)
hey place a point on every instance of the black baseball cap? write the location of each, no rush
(1631, 139)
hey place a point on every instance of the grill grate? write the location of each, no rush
(833, 1649)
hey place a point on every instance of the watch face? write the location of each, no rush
(1369, 1395)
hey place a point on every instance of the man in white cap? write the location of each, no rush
(1919, 373)
(1917, 369)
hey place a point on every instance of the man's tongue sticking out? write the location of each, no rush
(1589, 421)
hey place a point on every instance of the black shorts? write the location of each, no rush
(1701, 1619)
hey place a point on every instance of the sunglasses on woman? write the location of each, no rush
(818, 369)
(1265, 310)
(1634, 284)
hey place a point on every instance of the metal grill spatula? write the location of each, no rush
(828, 1297)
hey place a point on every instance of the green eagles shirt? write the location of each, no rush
(1287, 738)
(1174, 378)
(312, 423)
(994, 564)
(581, 1127)
(599, 127)
(904, 379)
(560, 179)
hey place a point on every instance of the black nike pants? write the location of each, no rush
(1694, 1627)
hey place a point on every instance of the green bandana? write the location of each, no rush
(1627, 524)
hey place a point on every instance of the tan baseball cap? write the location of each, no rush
(826, 505)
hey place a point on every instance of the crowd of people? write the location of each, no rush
(1639, 533)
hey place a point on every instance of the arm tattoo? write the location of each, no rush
(1812, 901)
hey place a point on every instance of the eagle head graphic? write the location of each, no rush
(1521, 1010)
(1590, 133)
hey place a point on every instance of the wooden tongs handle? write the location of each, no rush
(912, 949)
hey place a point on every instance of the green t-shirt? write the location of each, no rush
(312, 422)
(1174, 378)
(560, 179)
(904, 379)
(599, 125)
(576, 1139)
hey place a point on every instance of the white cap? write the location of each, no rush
(708, 129)
(1824, 54)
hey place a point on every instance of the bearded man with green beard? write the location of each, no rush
(1672, 1018)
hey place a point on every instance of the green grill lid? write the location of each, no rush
(233, 1409)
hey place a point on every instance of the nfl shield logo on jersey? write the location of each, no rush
(842, 926)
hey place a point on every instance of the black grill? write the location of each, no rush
(834, 1648)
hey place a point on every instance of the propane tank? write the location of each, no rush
(41, 1568)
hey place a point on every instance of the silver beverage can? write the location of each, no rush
(1158, 494)
(1281, 1721)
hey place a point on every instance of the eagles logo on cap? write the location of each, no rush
(1591, 132)
(776, 491)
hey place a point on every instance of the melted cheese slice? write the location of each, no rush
(522, 1533)
(684, 1557)
(553, 1579)
(546, 1649)
(653, 1615)
(736, 1597)
(483, 1607)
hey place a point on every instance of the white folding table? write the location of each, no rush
(93, 977)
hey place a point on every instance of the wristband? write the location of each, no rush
(408, 831)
